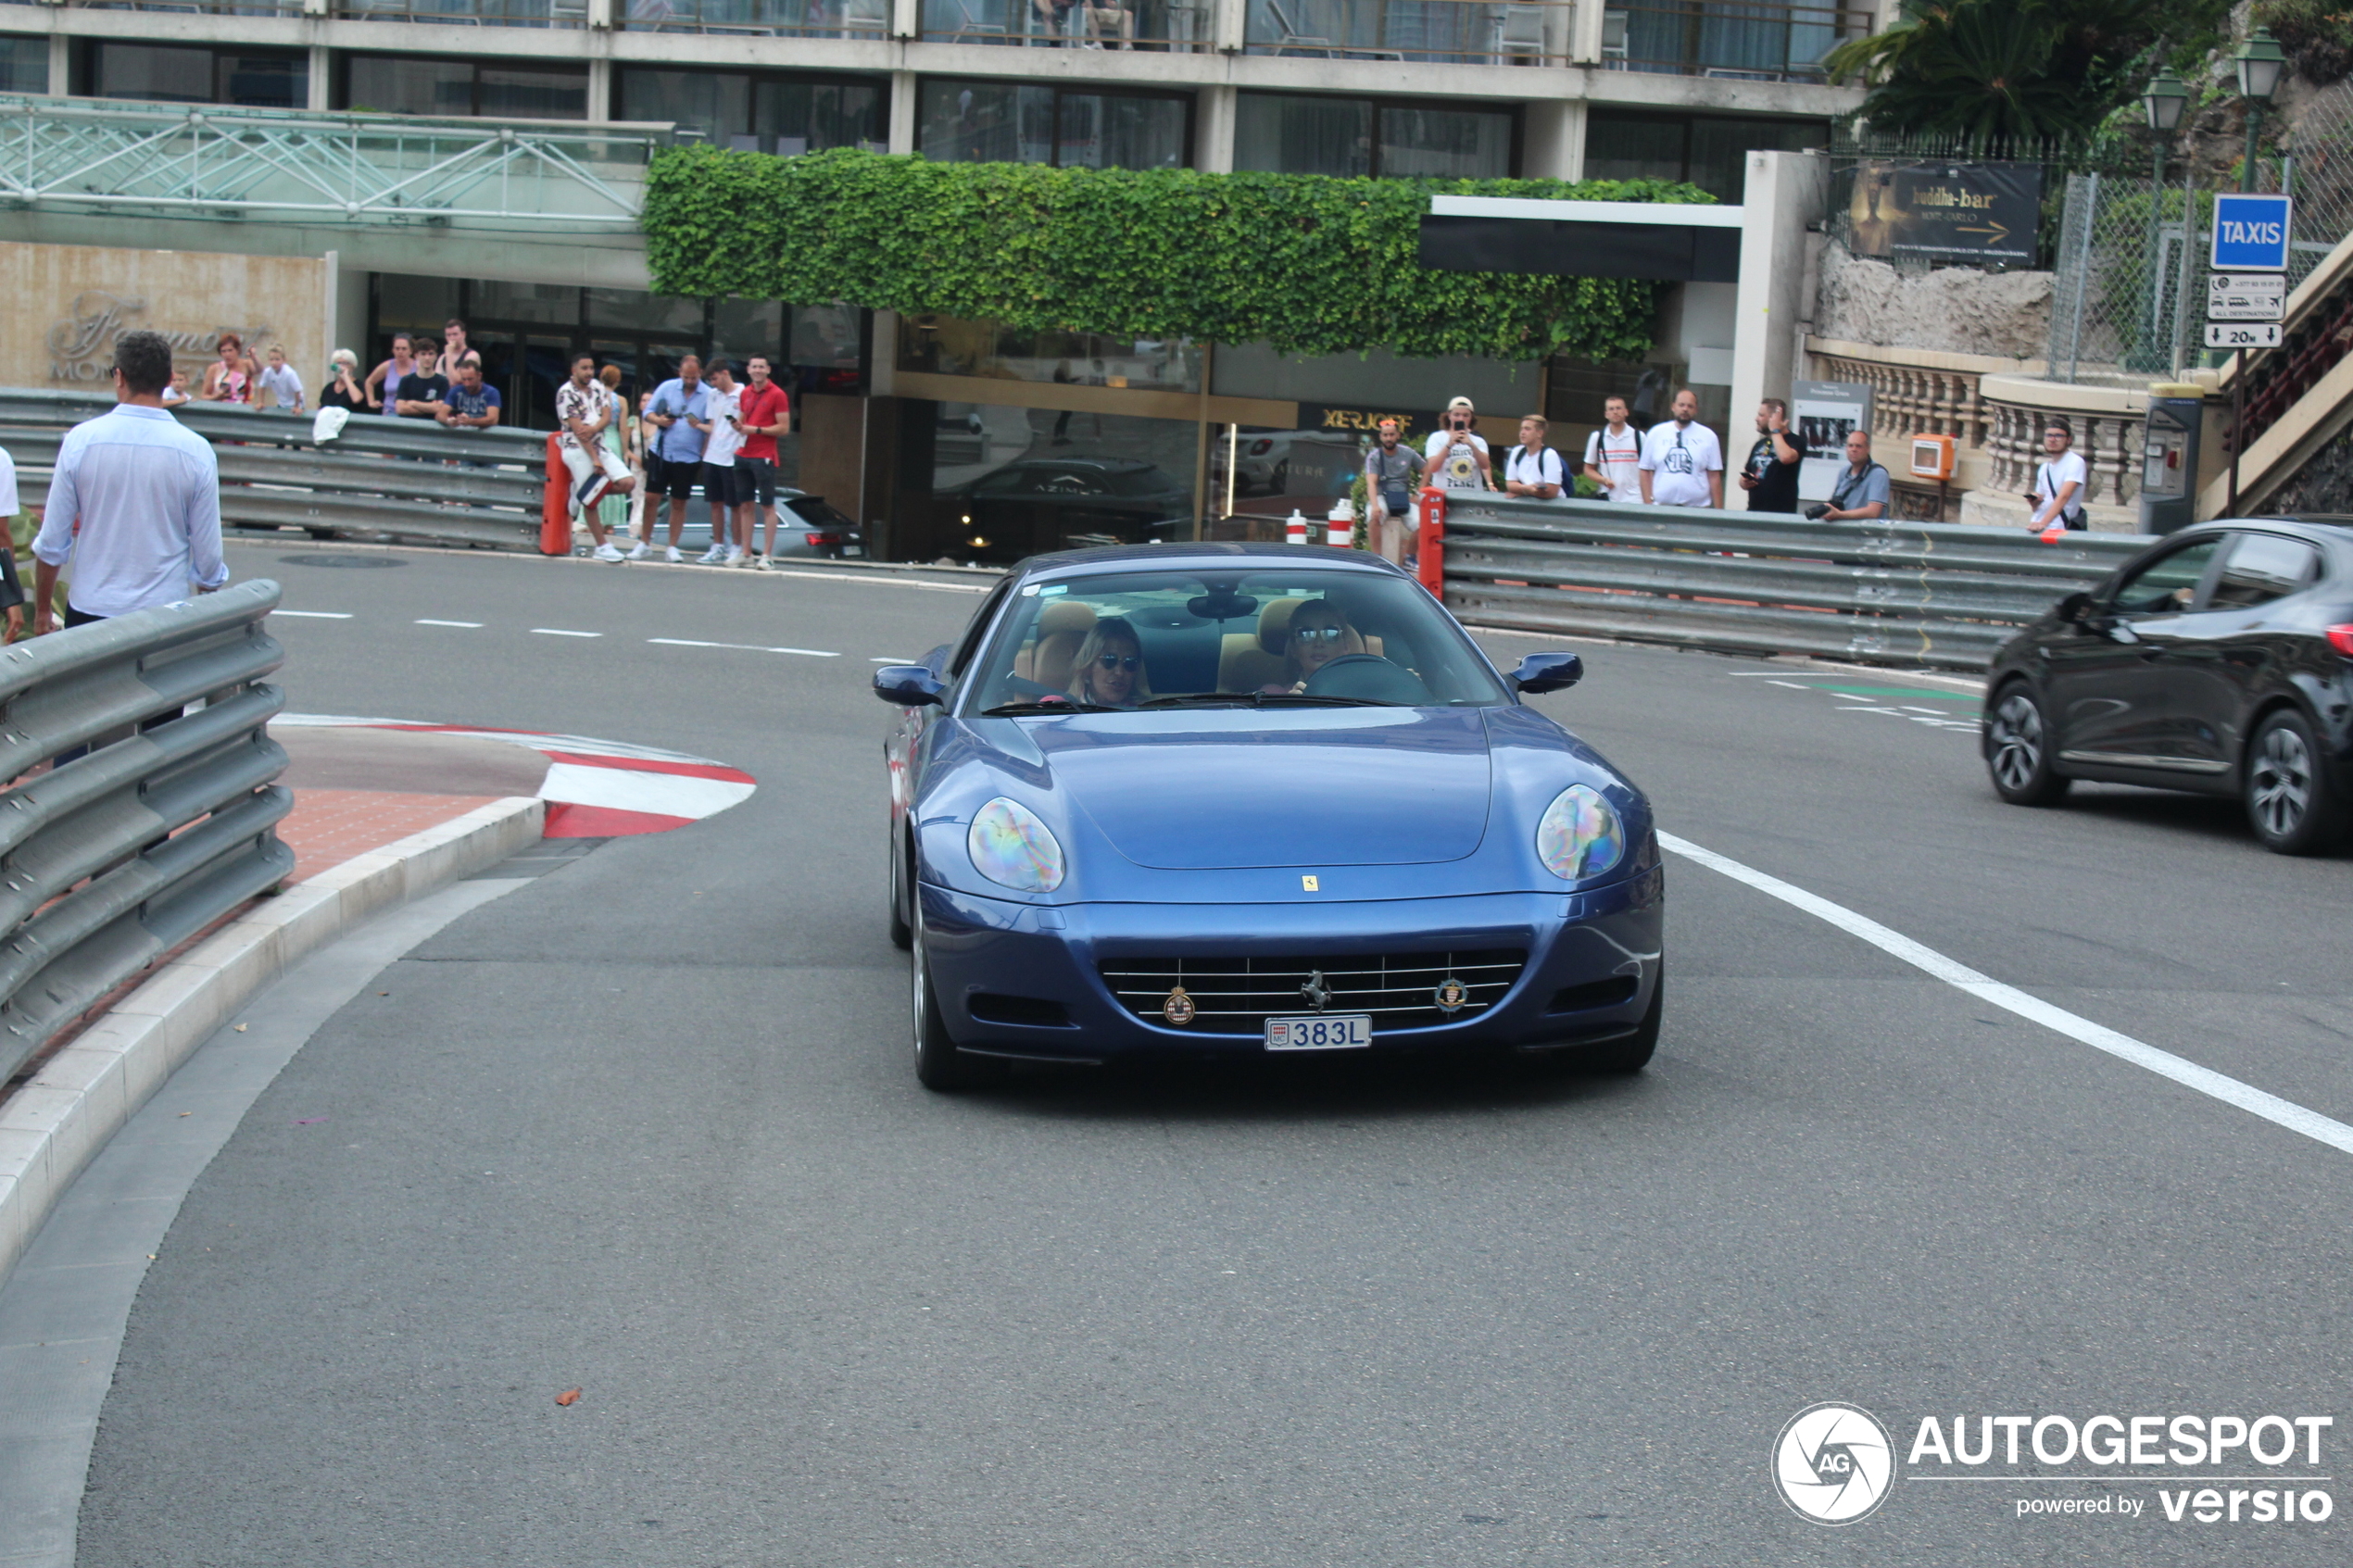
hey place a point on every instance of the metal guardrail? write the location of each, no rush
(1892, 593)
(407, 479)
(166, 822)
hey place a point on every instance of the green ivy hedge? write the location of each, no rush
(1310, 264)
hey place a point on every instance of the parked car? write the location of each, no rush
(1034, 504)
(2218, 661)
(806, 525)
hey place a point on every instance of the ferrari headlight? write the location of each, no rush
(1580, 835)
(1012, 849)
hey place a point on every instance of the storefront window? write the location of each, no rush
(944, 346)
(156, 73)
(1003, 122)
(393, 84)
(1707, 150)
(779, 114)
(24, 65)
(1010, 483)
(1285, 134)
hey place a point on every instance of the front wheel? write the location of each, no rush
(939, 1066)
(2289, 802)
(2020, 758)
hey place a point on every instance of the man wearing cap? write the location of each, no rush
(1457, 453)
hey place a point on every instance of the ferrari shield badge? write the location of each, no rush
(1451, 994)
(1178, 1008)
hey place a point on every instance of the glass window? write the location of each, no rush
(718, 104)
(24, 65)
(741, 328)
(1197, 640)
(986, 122)
(1121, 131)
(381, 85)
(1020, 481)
(530, 93)
(548, 304)
(2264, 567)
(1446, 143)
(1299, 135)
(159, 74)
(827, 335)
(405, 303)
(809, 116)
(1721, 149)
(1707, 150)
(261, 81)
(2166, 585)
(636, 309)
(945, 345)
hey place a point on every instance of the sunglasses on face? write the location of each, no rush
(1130, 662)
(1317, 633)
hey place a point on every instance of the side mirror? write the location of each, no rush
(908, 685)
(2073, 608)
(1548, 673)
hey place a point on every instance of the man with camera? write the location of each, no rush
(1457, 453)
(1862, 491)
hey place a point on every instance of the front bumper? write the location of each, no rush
(990, 950)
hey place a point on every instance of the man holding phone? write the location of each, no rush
(723, 481)
(1457, 453)
(763, 413)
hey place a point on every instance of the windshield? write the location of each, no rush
(1290, 636)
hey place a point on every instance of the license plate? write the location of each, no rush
(853, 550)
(1332, 1031)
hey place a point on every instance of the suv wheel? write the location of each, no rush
(2019, 756)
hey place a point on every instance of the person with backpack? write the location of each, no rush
(1531, 470)
(1614, 454)
(1863, 491)
(2058, 482)
(1392, 472)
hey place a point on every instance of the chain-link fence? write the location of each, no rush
(2317, 170)
(2127, 295)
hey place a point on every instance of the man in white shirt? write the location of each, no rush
(1531, 470)
(11, 587)
(1457, 453)
(1614, 454)
(134, 503)
(1682, 461)
(2058, 482)
(279, 379)
(583, 410)
(722, 480)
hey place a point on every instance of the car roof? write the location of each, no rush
(1215, 555)
(2319, 528)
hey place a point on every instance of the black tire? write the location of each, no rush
(939, 1066)
(900, 873)
(2289, 801)
(1630, 1055)
(2019, 756)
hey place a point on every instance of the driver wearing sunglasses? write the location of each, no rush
(1110, 668)
(1319, 633)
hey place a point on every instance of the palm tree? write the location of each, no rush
(2000, 72)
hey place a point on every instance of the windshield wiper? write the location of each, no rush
(1064, 704)
(1261, 699)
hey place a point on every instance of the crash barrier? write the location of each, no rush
(159, 815)
(1938, 596)
(381, 478)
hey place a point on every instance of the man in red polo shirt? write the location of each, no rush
(763, 413)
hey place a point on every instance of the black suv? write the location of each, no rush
(2220, 660)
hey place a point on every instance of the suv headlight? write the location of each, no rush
(1012, 849)
(1580, 835)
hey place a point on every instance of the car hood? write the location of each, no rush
(1225, 788)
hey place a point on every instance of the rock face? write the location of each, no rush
(1952, 310)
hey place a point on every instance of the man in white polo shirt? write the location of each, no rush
(1682, 461)
(1614, 453)
(134, 504)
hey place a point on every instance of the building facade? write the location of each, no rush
(927, 426)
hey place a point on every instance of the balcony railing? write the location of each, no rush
(1455, 32)
(198, 8)
(469, 13)
(768, 18)
(1741, 40)
(1167, 26)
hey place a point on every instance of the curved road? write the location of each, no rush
(646, 1127)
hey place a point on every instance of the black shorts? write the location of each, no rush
(725, 484)
(677, 481)
(758, 481)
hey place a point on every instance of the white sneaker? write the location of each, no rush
(673, 556)
(760, 563)
(739, 557)
(608, 552)
(713, 555)
(642, 551)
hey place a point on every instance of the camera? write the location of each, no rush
(1817, 511)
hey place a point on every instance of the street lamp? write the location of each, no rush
(2260, 63)
(2163, 102)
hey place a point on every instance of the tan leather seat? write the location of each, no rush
(1247, 662)
(1062, 628)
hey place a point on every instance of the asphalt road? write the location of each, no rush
(646, 1127)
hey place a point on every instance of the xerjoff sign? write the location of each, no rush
(1981, 213)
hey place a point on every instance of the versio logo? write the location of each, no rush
(1833, 1464)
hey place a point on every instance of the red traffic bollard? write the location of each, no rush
(555, 503)
(1431, 550)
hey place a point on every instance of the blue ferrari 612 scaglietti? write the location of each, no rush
(1226, 799)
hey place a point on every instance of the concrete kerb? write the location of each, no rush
(50, 1128)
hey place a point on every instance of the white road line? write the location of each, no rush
(559, 631)
(1915, 708)
(470, 625)
(1791, 685)
(2165, 1064)
(315, 614)
(741, 647)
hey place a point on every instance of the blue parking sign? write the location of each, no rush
(2251, 232)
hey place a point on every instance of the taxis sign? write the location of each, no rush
(2251, 232)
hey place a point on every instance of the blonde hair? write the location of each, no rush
(1291, 634)
(1113, 628)
(344, 357)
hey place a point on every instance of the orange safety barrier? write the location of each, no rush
(1431, 549)
(555, 503)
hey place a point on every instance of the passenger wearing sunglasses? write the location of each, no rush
(1110, 669)
(1319, 634)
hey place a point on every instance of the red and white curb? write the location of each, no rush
(595, 788)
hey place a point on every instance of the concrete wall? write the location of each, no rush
(1783, 194)
(61, 308)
